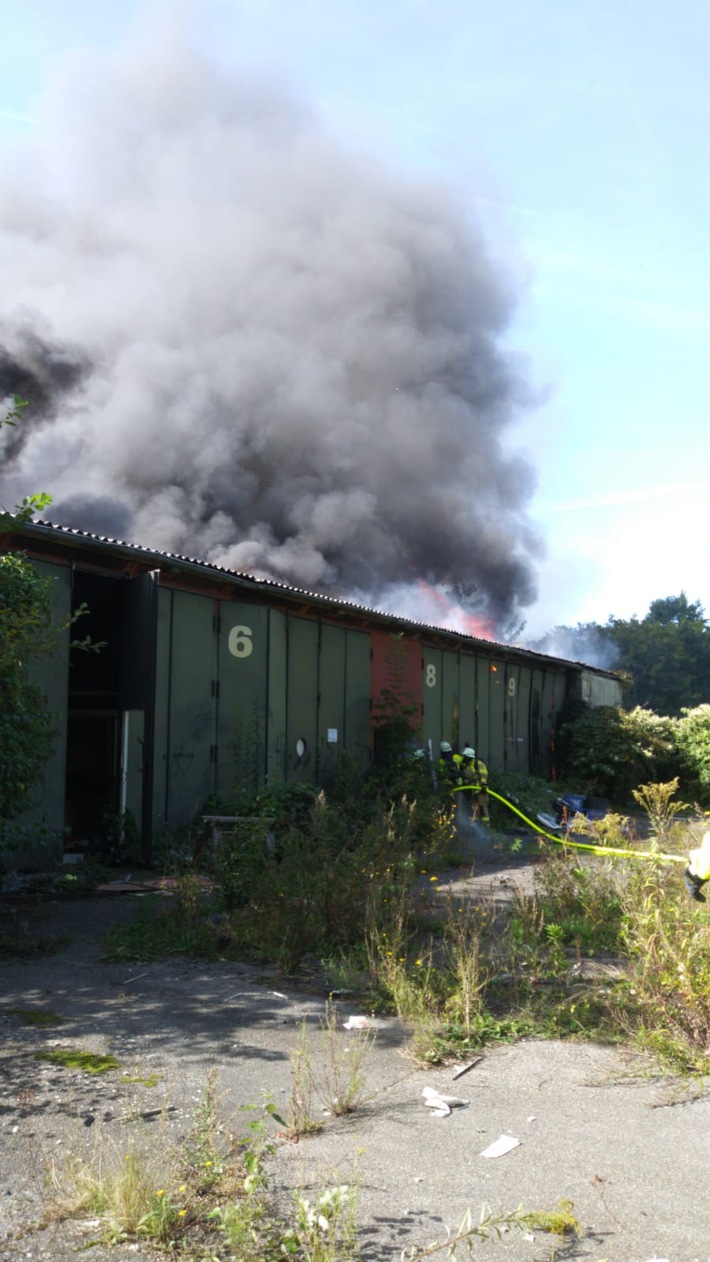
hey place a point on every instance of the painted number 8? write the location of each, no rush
(430, 675)
(240, 642)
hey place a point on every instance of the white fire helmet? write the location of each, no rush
(445, 747)
(468, 752)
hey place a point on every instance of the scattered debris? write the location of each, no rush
(502, 1145)
(440, 1103)
(439, 1107)
(357, 1023)
(463, 1069)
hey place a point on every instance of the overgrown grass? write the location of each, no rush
(602, 946)
(214, 1190)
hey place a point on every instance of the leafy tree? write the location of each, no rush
(26, 629)
(664, 657)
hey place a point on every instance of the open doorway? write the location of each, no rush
(93, 723)
(111, 700)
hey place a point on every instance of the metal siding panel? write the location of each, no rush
(483, 707)
(51, 672)
(242, 704)
(468, 727)
(496, 717)
(451, 719)
(356, 734)
(162, 710)
(434, 728)
(191, 768)
(552, 701)
(331, 699)
(515, 728)
(538, 766)
(276, 724)
(523, 694)
(302, 699)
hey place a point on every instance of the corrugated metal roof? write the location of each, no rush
(153, 555)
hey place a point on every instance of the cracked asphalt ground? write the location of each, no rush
(631, 1150)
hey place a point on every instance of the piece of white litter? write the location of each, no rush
(438, 1107)
(278, 994)
(453, 1101)
(502, 1145)
(356, 1023)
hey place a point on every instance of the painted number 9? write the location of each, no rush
(430, 675)
(240, 643)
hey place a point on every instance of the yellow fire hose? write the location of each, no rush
(580, 845)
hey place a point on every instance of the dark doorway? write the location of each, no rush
(93, 764)
(110, 715)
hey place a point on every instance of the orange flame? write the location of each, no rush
(454, 617)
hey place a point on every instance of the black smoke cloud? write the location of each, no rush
(242, 342)
(31, 368)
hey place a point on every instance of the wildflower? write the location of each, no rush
(433, 878)
(160, 1192)
(182, 1213)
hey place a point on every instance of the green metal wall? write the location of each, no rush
(343, 697)
(242, 710)
(436, 713)
(327, 697)
(302, 648)
(185, 707)
(257, 696)
(518, 683)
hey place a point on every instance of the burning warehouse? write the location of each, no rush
(210, 681)
(239, 341)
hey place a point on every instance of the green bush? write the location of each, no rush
(693, 740)
(607, 750)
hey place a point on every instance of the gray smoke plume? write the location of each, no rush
(241, 342)
(587, 642)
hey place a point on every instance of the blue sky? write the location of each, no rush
(577, 133)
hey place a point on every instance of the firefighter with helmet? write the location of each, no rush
(474, 778)
(448, 766)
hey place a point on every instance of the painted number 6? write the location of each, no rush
(240, 642)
